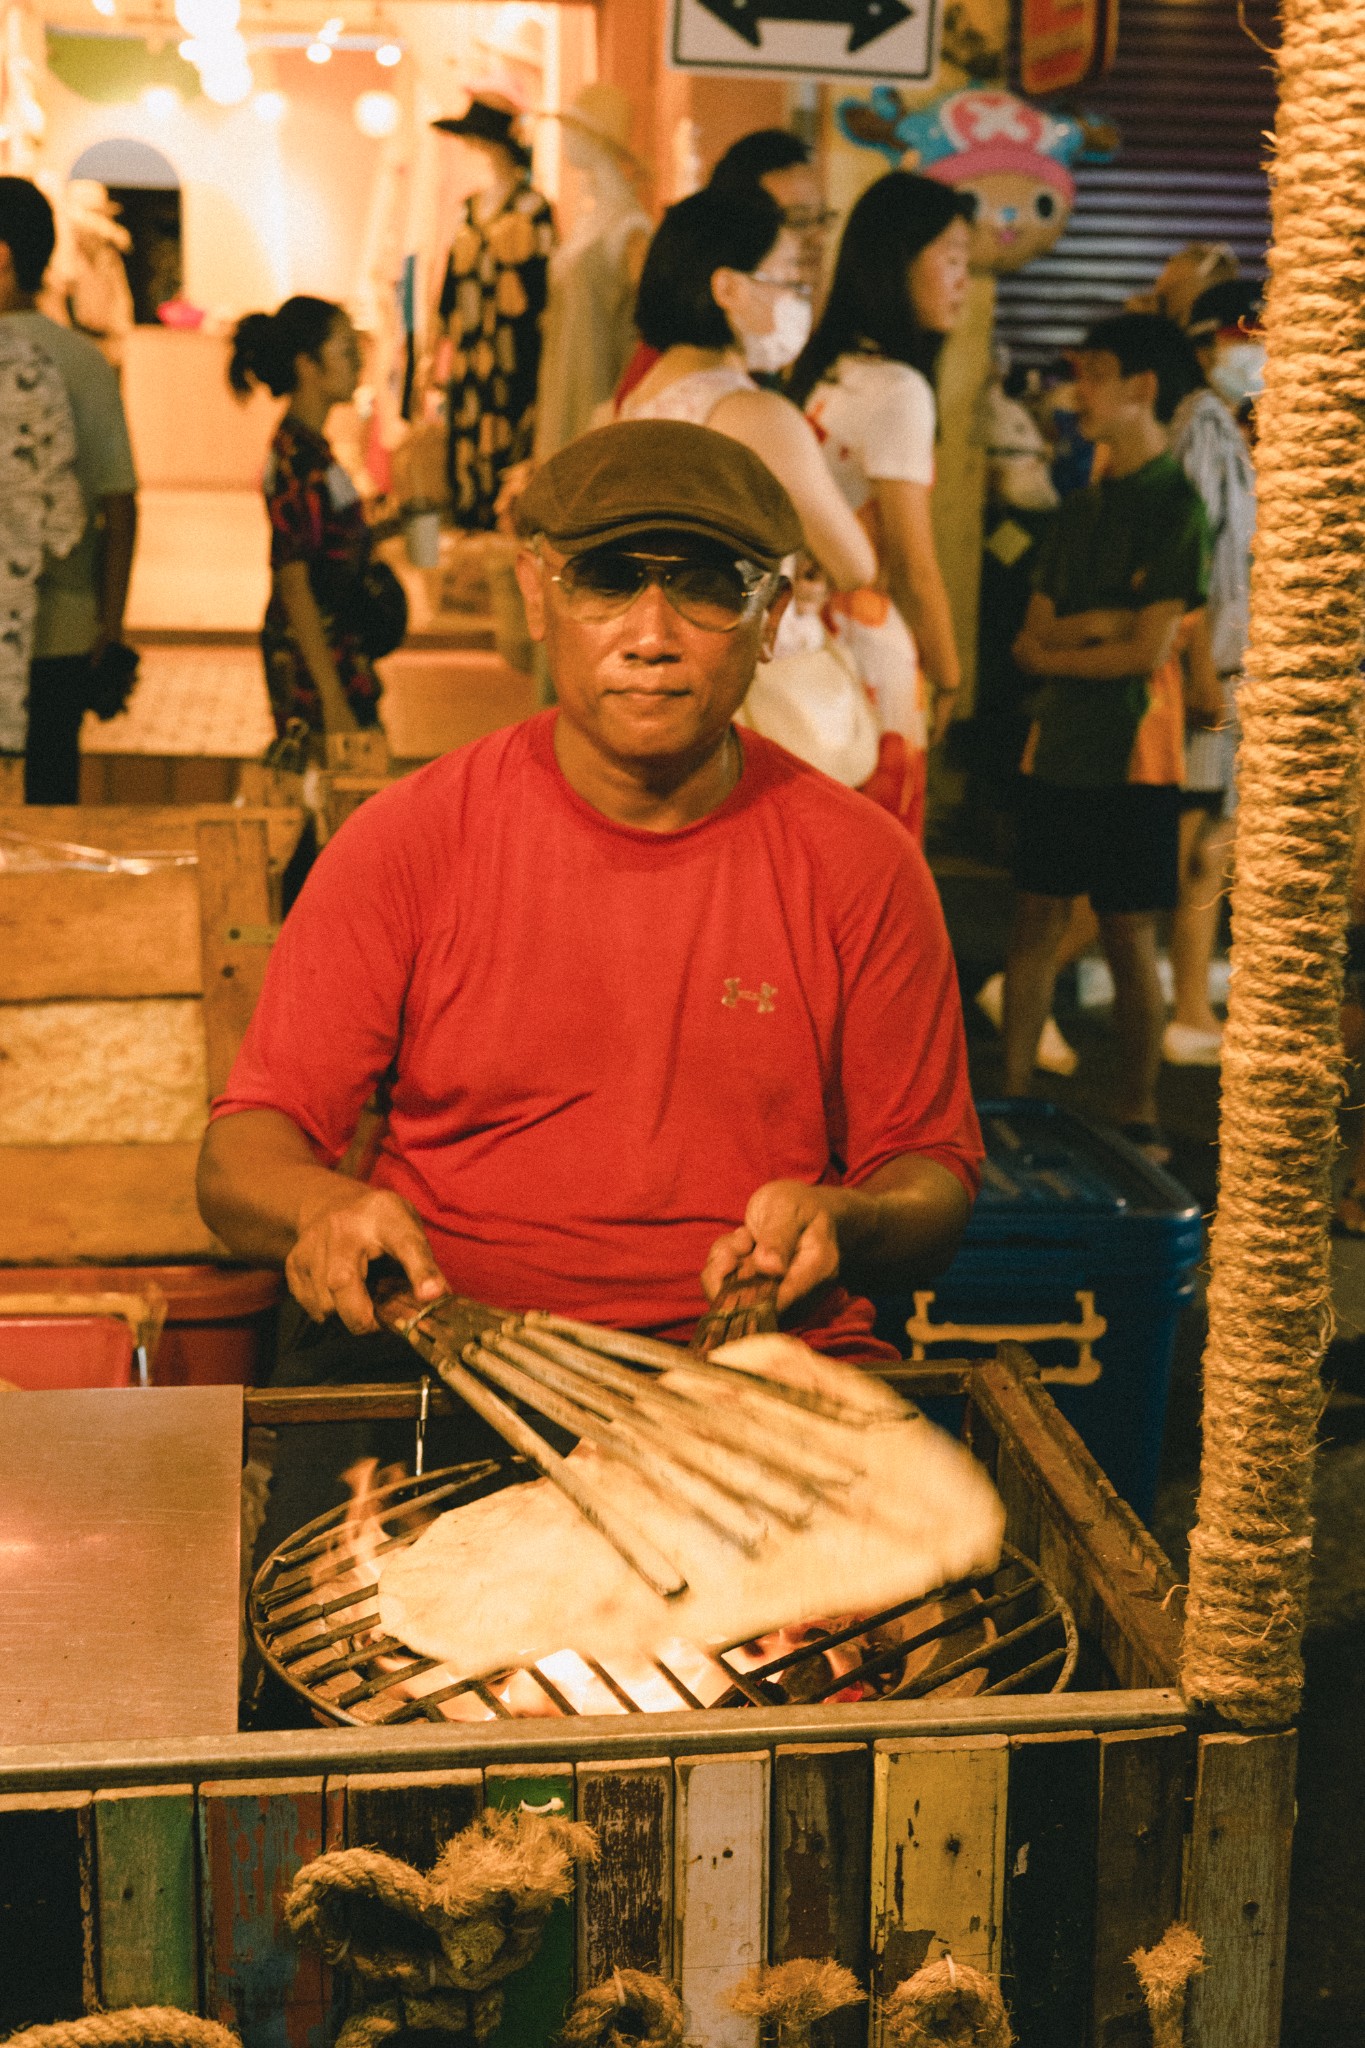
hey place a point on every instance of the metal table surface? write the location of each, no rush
(120, 1517)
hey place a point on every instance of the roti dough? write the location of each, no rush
(515, 1576)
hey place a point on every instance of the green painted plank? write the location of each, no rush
(535, 1999)
(144, 1854)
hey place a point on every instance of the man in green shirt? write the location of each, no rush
(1124, 562)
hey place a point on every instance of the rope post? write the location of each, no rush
(1269, 1296)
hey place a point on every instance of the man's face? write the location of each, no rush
(1107, 402)
(797, 191)
(647, 687)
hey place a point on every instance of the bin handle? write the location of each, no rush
(1084, 1334)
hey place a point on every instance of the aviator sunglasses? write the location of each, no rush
(716, 592)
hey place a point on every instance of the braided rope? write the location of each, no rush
(1269, 1297)
(1164, 1972)
(947, 2005)
(630, 2010)
(137, 2026)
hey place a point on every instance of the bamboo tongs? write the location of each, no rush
(738, 1465)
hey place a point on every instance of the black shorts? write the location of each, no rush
(1119, 845)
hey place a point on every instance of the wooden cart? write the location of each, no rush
(1041, 1837)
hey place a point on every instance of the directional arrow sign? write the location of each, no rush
(865, 20)
(881, 39)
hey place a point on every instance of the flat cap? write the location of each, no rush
(652, 476)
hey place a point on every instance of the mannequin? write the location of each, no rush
(589, 325)
(491, 305)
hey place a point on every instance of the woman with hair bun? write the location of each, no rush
(865, 378)
(315, 668)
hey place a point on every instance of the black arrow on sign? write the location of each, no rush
(864, 19)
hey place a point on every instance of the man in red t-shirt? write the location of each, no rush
(654, 1003)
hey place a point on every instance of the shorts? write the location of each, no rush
(1119, 845)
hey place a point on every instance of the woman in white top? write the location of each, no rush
(865, 379)
(721, 295)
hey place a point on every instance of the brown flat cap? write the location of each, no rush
(654, 476)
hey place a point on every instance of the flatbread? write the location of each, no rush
(513, 1577)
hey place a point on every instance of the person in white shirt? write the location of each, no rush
(865, 380)
(81, 597)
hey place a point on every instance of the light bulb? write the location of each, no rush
(105, 7)
(319, 53)
(227, 83)
(376, 114)
(271, 107)
(161, 101)
(208, 18)
(389, 54)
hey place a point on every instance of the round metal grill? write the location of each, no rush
(314, 1612)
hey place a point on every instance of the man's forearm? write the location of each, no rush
(260, 1185)
(118, 540)
(904, 1223)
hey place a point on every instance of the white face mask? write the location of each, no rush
(786, 338)
(1238, 372)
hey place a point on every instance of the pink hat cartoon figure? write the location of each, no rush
(1015, 159)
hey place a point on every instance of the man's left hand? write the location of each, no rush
(788, 1233)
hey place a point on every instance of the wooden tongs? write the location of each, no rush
(738, 1465)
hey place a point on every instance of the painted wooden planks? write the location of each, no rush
(73, 933)
(535, 1998)
(1237, 1894)
(1049, 1918)
(822, 1826)
(625, 1901)
(255, 1836)
(235, 913)
(720, 1889)
(60, 1203)
(408, 1814)
(47, 1921)
(938, 1836)
(144, 1851)
(1137, 1870)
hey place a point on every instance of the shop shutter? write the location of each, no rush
(1193, 99)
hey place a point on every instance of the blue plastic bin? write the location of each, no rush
(1068, 1211)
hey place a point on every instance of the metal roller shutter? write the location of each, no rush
(1193, 99)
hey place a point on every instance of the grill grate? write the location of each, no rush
(314, 1612)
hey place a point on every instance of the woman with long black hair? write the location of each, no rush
(865, 379)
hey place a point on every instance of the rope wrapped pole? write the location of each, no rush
(1269, 1296)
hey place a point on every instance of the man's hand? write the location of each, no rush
(788, 1233)
(327, 1267)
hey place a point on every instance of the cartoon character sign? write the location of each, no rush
(1015, 158)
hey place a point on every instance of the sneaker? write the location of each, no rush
(1183, 1046)
(1054, 1055)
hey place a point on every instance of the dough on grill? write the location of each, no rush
(511, 1578)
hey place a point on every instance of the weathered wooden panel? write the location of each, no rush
(625, 1902)
(255, 1836)
(1138, 1868)
(1049, 1920)
(113, 1073)
(1237, 1890)
(536, 1997)
(140, 828)
(60, 1203)
(144, 1845)
(235, 922)
(80, 934)
(938, 1842)
(47, 1916)
(821, 1844)
(720, 1889)
(409, 1814)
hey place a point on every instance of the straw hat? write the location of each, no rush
(488, 119)
(602, 111)
(89, 210)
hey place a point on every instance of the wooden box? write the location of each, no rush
(1041, 1837)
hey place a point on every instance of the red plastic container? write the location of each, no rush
(218, 1322)
(47, 1354)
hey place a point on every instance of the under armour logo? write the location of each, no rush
(735, 995)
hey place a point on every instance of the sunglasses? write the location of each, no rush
(716, 593)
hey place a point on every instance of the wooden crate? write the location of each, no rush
(123, 999)
(1043, 1837)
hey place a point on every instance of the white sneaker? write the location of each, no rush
(1183, 1046)
(1054, 1055)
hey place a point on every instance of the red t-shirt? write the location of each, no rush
(602, 1039)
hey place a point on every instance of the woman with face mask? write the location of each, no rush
(866, 380)
(722, 297)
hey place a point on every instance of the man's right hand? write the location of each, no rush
(327, 1267)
